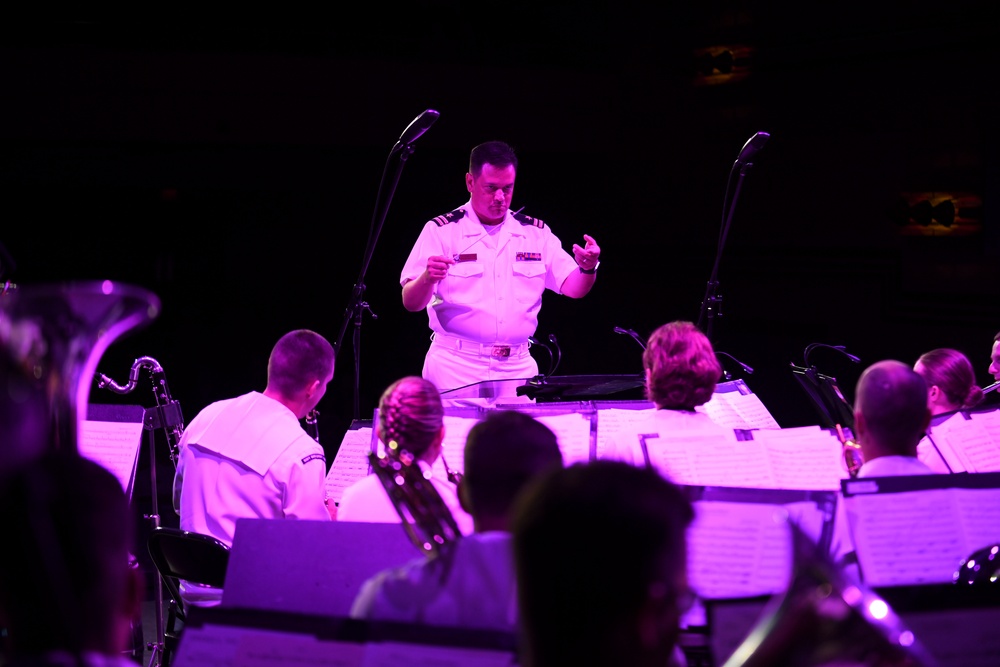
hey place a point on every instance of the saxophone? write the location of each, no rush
(168, 411)
(427, 520)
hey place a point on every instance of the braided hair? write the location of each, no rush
(410, 412)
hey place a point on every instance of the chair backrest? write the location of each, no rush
(181, 554)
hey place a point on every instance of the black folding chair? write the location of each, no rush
(181, 554)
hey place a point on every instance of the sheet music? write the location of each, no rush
(573, 432)
(772, 460)
(740, 549)
(970, 445)
(115, 445)
(919, 537)
(456, 431)
(738, 411)
(805, 457)
(612, 422)
(351, 462)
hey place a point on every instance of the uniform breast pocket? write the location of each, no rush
(529, 281)
(464, 283)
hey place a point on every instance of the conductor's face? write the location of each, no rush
(491, 192)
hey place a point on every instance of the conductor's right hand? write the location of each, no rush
(437, 267)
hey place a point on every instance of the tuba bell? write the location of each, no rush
(824, 619)
(51, 340)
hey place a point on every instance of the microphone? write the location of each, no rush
(746, 369)
(634, 335)
(753, 144)
(416, 129)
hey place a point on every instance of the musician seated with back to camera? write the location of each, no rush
(951, 386)
(410, 413)
(249, 456)
(681, 374)
(890, 418)
(471, 584)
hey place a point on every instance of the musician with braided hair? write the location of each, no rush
(472, 584)
(411, 413)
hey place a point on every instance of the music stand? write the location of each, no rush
(826, 397)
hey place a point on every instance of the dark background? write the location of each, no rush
(230, 164)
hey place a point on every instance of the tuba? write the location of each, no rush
(51, 340)
(823, 619)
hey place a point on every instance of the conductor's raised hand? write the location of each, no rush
(588, 255)
(437, 267)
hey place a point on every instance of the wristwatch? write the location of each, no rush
(589, 272)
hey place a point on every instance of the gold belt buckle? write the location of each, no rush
(500, 351)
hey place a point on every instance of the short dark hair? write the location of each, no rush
(496, 153)
(892, 398)
(297, 359)
(502, 453)
(590, 543)
(69, 532)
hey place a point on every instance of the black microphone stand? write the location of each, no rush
(711, 305)
(357, 306)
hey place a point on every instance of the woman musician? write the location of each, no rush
(410, 413)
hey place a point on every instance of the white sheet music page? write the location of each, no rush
(456, 430)
(983, 449)
(573, 432)
(738, 549)
(980, 512)
(115, 445)
(708, 460)
(613, 422)
(736, 410)
(907, 538)
(351, 462)
(805, 457)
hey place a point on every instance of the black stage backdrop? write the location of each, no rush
(231, 165)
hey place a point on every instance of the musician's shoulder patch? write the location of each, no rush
(314, 457)
(454, 216)
(528, 220)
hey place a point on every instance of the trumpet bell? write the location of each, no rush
(825, 619)
(51, 339)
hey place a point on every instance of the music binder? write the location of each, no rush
(917, 529)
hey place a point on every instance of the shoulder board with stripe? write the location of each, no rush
(454, 216)
(528, 220)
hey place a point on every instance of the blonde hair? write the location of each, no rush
(410, 412)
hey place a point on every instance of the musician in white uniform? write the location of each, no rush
(472, 584)
(410, 412)
(249, 457)
(890, 418)
(480, 272)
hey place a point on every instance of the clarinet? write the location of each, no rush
(168, 410)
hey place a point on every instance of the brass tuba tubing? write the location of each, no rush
(51, 340)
